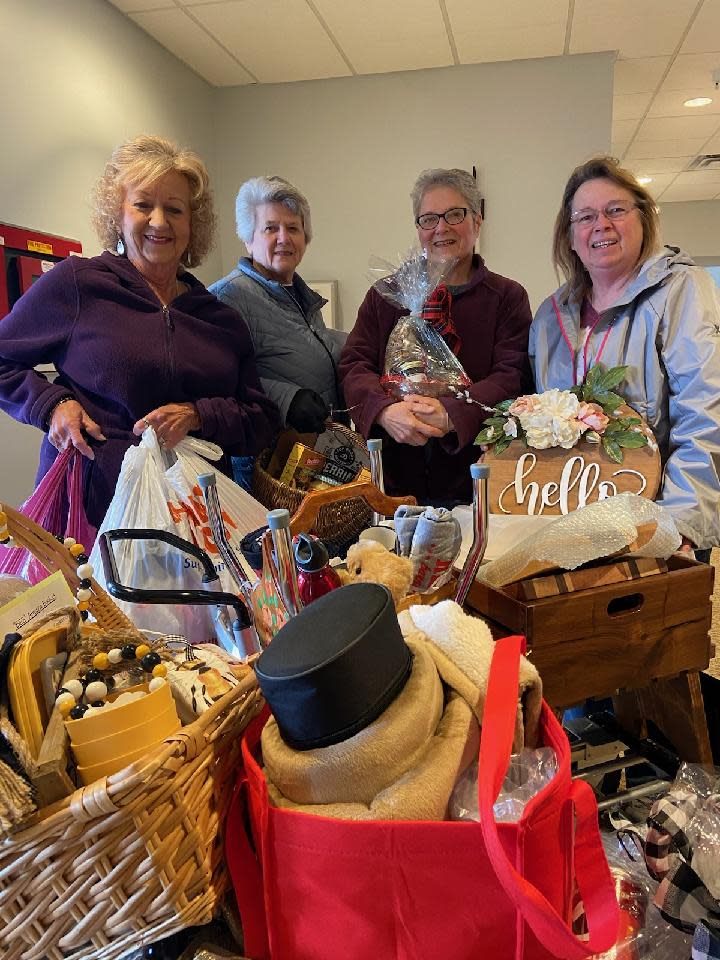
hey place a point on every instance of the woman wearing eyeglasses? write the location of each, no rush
(629, 301)
(428, 442)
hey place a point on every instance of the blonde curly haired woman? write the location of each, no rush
(135, 338)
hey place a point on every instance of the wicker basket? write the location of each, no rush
(340, 523)
(135, 856)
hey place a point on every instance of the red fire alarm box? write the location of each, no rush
(24, 256)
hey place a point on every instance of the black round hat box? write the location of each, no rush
(335, 666)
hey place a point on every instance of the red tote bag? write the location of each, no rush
(326, 889)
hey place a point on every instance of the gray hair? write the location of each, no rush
(455, 178)
(268, 190)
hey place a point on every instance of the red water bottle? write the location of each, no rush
(315, 575)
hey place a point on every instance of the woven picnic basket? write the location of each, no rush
(339, 522)
(133, 857)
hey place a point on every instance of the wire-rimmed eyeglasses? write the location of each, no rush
(587, 217)
(453, 216)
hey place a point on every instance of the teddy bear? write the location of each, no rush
(371, 562)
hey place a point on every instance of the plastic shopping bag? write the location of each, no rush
(158, 490)
(60, 487)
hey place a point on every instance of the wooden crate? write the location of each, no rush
(620, 636)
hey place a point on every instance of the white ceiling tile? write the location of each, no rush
(670, 103)
(693, 70)
(654, 165)
(641, 28)
(658, 183)
(713, 146)
(676, 193)
(133, 6)
(381, 37)
(704, 35)
(639, 76)
(277, 40)
(624, 129)
(642, 149)
(507, 29)
(619, 147)
(630, 106)
(181, 36)
(705, 177)
(673, 128)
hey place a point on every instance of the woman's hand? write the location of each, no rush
(400, 422)
(67, 422)
(171, 423)
(430, 411)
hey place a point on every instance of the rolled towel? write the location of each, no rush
(435, 545)
(361, 767)
(462, 647)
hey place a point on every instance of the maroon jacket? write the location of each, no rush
(492, 316)
(119, 353)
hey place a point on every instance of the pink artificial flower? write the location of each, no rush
(522, 406)
(592, 416)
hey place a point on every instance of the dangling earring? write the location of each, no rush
(120, 246)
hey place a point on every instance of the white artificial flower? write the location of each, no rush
(510, 428)
(552, 421)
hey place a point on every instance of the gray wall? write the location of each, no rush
(355, 145)
(694, 226)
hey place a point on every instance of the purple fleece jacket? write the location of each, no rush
(120, 354)
(492, 316)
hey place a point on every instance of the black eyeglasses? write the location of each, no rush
(428, 221)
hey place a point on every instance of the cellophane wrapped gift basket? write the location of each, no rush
(135, 855)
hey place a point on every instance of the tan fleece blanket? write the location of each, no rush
(359, 768)
(423, 792)
(405, 764)
(462, 648)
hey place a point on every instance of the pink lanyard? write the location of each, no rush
(587, 342)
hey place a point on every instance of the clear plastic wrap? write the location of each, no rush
(594, 531)
(417, 359)
(643, 935)
(528, 773)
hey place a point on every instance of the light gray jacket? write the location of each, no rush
(293, 347)
(666, 328)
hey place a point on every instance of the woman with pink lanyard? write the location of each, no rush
(629, 301)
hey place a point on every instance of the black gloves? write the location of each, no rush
(307, 412)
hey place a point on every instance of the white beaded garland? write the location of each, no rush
(96, 690)
(69, 542)
(83, 594)
(156, 683)
(85, 571)
(115, 655)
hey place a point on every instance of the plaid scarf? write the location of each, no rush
(436, 312)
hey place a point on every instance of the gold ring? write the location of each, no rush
(146, 422)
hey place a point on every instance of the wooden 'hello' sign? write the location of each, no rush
(553, 452)
(557, 481)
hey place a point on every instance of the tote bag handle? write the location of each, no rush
(591, 869)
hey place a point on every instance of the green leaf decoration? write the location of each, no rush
(612, 448)
(503, 443)
(483, 438)
(504, 406)
(607, 379)
(608, 401)
(631, 440)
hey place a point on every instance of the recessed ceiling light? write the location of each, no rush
(698, 102)
(644, 180)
